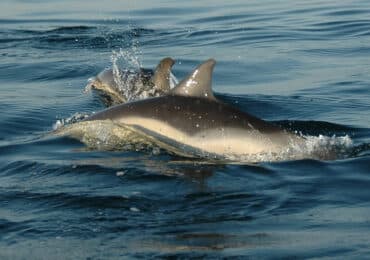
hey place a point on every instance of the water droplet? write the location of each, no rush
(120, 173)
(134, 209)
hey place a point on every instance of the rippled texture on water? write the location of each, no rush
(302, 64)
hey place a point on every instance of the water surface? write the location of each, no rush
(303, 65)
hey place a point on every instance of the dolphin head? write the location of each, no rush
(106, 85)
(104, 81)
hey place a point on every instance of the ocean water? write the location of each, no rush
(304, 65)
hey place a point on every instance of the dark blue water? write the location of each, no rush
(302, 64)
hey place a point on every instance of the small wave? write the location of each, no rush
(71, 29)
(75, 37)
(349, 12)
(339, 28)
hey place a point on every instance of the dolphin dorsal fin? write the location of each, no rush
(198, 83)
(162, 74)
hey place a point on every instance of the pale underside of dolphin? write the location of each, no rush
(113, 86)
(189, 120)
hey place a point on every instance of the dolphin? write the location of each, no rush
(190, 121)
(113, 89)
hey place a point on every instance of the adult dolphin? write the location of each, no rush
(190, 121)
(153, 83)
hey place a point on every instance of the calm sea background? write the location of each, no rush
(302, 64)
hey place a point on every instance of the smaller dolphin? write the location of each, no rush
(128, 85)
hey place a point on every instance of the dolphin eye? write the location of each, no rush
(91, 80)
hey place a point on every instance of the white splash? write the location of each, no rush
(314, 147)
(126, 78)
(133, 83)
(76, 117)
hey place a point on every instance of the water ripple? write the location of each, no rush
(301, 65)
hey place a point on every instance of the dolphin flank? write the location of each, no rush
(189, 120)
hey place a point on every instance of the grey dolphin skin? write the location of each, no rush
(157, 82)
(190, 118)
